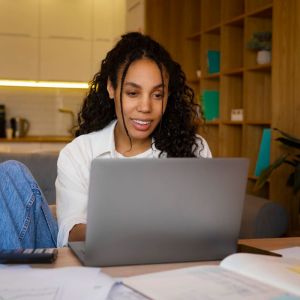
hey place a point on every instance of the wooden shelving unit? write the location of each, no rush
(268, 94)
(226, 26)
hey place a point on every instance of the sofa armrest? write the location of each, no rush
(263, 218)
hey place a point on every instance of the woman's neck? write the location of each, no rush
(124, 147)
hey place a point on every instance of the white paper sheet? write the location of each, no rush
(293, 252)
(74, 283)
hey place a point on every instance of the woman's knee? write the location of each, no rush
(15, 170)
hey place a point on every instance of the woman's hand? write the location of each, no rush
(77, 233)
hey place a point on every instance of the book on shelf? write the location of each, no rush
(210, 104)
(239, 276)
(263, 159)
(213, 61)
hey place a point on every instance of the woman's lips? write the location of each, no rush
(141, 125)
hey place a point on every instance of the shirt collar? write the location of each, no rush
(106, 142)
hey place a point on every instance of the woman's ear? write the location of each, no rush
(110, 89)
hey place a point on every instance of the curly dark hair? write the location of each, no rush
(176, 133)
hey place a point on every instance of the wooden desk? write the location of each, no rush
(67, 258)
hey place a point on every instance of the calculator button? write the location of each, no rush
(28, 251)
(38, 250)
(50, 250)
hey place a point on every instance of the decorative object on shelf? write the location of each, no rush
(213, 61)
(237, 114)
(262, 43)
(210, 104)
(198, 73)
(263, 159)
(290, 157)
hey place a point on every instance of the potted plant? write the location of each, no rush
(291, 157)
(262, 43)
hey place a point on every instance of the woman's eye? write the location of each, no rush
(131, 94)
(158, 96)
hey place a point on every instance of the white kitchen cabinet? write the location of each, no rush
(135, 15)
(65, 59)
(103, 20)
(19, 17)
(66, 18)
(99, 51)
(19, 57)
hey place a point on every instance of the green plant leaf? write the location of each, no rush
(266, 173)
(291, 163)
(288, 136)
(289, 142)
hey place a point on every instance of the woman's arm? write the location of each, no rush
(77, 233)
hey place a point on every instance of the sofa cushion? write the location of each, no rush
(43, 166)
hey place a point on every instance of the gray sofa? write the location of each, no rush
(261, 218)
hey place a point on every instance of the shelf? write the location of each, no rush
(233, 72)
(258, 123)
(193, 81)
(260, 68)
(194, 37)
(211, 76)
(263, 12)
(236, 21)
(233, 123)
(213, 123)
(215, 29)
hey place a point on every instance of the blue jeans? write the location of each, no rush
(25, 218)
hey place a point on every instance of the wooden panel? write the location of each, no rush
(211, 135)
(231, 9)
(232, 56)
(252, 5)
(257, 97)
(211, 17)
(286, 92)
(231, 95)
(231, 140)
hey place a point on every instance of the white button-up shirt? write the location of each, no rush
(73, 171)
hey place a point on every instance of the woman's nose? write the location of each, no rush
(144, 104)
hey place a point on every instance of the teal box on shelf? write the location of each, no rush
(210, 104)
(263, 159)
(213, 61)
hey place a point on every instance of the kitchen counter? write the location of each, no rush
(38, 139)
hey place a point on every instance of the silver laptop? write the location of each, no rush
(147, 211)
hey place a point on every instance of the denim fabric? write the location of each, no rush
(25, 218)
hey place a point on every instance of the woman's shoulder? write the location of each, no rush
(90, 144)
(202, 147)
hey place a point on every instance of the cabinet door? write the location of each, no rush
(19, 17)
(99, 51)
(19, 57)
(65, 60)
(135, 15)
(66, 18)
(103, 20)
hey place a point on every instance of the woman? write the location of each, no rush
(138, 106)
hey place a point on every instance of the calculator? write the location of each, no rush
(28, 256)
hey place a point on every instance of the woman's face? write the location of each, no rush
(144, 102)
